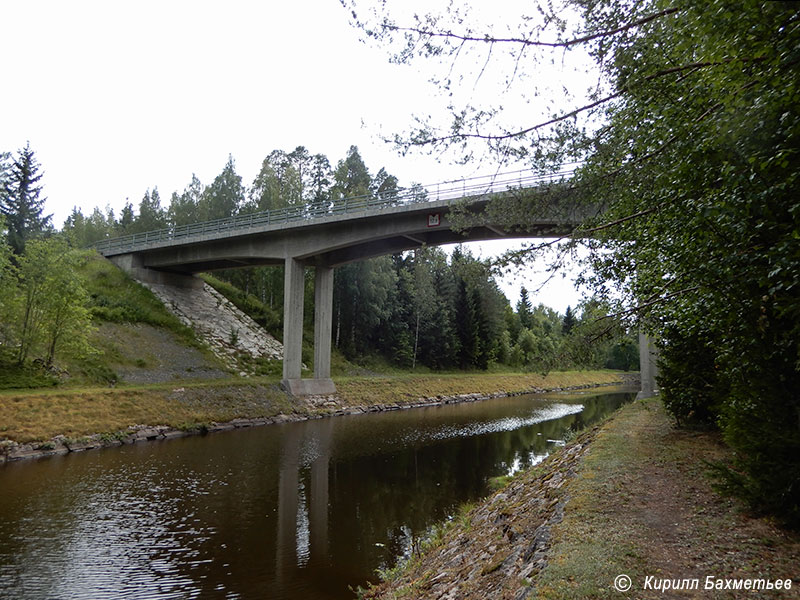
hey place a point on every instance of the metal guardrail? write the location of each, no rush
(308, 213)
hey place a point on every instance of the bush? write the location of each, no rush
(16, 376)
(688, 377)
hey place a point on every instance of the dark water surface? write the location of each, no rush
(300, 510)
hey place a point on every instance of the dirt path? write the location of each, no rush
(630, 498)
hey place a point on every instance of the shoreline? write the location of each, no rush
(312, 407)
(630, 495)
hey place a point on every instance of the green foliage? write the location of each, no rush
(692, 390)
(224, 196)
(116, 298)
(623, 356)
(20, 204)
(84, 231)
(51, 312)
(16, 376)
(151, 214)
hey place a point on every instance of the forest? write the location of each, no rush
(423, 309)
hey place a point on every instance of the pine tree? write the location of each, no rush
(126, 219)
(225, 195)
(569, 321)
(466, 327)
(151, 215)
(524, 309)
(20, 203)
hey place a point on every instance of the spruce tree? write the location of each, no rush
(524, 309)
(569, 322)
(20, 201)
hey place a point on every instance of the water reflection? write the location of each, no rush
(300, 510)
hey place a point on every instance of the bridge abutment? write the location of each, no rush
(133, 265)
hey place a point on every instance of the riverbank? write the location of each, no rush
(629, 497)
(56, 422)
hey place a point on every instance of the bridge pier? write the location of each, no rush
(293, 293)
(323, 321)
(648, 367)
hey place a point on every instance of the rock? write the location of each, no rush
(83, 444)
(149, 433)
(225, 328)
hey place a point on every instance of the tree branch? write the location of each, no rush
(569, 115)
(528, 42)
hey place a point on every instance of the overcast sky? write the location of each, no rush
(119, 97)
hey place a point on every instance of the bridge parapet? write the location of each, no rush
(302, 215)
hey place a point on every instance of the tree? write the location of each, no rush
(466, 327)
(151, 215)
(224, 196)
(351, 177)
(20, 201)
(690, 136)
(184, 208)
(524, 308)
(85, 231)
(320, 179)
(568, 324)
(51, 314)
(8, 288)
(126, 219)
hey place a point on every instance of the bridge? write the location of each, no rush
(323, 236)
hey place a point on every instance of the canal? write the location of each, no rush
(299, 510)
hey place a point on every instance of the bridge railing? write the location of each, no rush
(308, 213)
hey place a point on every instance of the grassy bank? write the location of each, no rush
(643, 505)
(409, 387)
(631, 497)
(37, 415)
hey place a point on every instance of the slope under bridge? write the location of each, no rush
(325, 235)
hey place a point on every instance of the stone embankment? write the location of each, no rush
(226, 329)
(497, 548)
(311, 407)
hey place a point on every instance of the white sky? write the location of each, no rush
(118, 97)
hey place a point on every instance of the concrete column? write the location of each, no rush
(323, 322)
(648, 368)
(293, 288)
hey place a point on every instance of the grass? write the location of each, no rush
(74, 413)
(643, 505)
(591, 547)
(42, 414)
(409, 387)
(117, 298)
(16, 376)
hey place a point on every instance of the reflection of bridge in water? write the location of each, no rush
(303, 516)
(324, 236)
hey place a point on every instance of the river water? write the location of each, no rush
(299, 510)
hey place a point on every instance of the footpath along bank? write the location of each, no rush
(57, 422)
(628, 502)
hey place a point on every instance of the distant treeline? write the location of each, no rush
(423, 308)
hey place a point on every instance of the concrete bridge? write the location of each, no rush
(324, 236)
